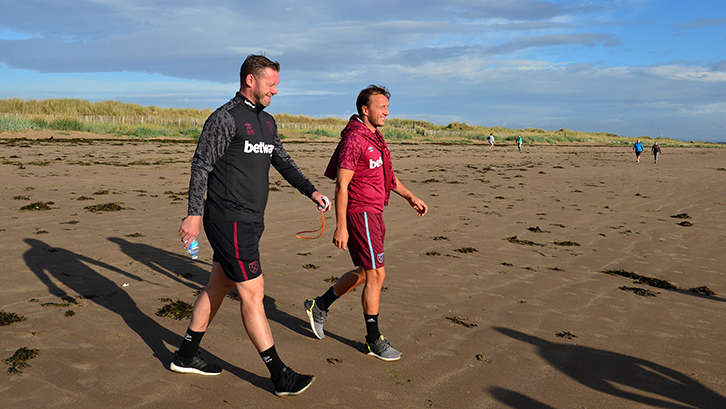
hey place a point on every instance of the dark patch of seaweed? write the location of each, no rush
(20, 359)
(566, 335)
(640, 291)
(107, 207)
(177, 310)
(37, 206)
(702, 290)
(7, 318)
(639, 279)
(515, 240)
(461, 321)
(567, 243)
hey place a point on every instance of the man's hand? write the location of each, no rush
(418, 205)
(190, 228)
(340, 238)
(322, 201)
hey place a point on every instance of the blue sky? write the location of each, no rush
(631, 67)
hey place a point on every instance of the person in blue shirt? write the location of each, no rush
(638, 148)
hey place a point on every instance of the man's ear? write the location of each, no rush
(364, 110)
(250, 81)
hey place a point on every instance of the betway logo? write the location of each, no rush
(259, 147)
(375, 163)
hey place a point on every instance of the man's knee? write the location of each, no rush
(375, 275)
(252, 291)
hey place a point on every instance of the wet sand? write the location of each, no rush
(498, 298)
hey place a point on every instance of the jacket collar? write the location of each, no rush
(248, 103)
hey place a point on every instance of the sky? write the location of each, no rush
(629, 67)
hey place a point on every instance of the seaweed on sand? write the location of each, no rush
(566, 335)
(7, 318)
(19, 360)
(702, 290)
(567, 243)
(177, 310)
(639, 279)
(640, 291)
(37, 206)
(107, 207)
(460, 321)
(515, 240)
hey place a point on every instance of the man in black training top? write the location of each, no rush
(238, 143)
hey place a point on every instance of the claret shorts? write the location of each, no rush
(366, 233)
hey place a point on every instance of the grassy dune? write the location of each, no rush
(133, 120)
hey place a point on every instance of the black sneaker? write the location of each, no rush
(197, 365)
(292, 383)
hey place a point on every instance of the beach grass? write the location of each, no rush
(132, 120)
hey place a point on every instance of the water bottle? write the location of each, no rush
(193, 249)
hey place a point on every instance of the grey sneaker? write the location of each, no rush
(382, 349)
(317, 318)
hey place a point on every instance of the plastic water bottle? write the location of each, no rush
(193, 249)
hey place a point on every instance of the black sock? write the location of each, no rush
(325, 300)
(190, 344)
(372, 328)
(273, 362)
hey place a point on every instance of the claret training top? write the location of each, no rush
(232, 161)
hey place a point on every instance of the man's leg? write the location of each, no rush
(317, 309)
(252, 294)
(252, 308)
(372, 291)
(209, 301)
(376, 343)
(188, 359)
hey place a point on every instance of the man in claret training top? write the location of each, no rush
(362, 168)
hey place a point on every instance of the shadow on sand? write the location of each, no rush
(615, 374)
(78, 273)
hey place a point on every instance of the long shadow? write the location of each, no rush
(171, 265)
(175, 266)
(302, 326)
(623, 376)
(517, 400)
(77, 273)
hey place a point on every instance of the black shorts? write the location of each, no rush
(236, 247)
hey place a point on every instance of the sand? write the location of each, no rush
(484, 319)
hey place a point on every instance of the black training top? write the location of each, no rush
(232, 161)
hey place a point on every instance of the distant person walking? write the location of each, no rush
(638, 148)
(519, 143)
(490, 139)
(364, 178)
(232, 161)
(656, 151)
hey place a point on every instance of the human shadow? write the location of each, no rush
(177, 267)
(623, 376)
(301, 326)
(516, 400)
(78, 273)
(174, 266)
